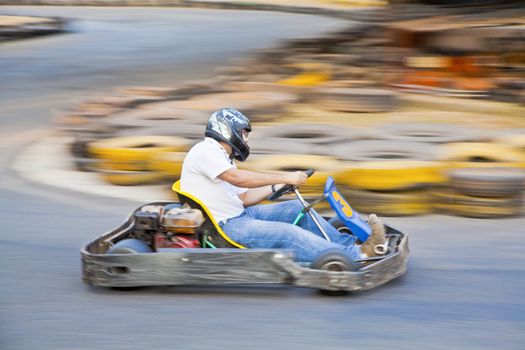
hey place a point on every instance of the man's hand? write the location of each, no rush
(297, 178)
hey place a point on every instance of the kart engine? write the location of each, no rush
(168, 226)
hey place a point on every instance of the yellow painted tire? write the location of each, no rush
(306, 79)
(391, 175)
(133, 153)
(313, 74)
(517, 140)
(449, 201)
(132, 178)
(480, 155)
(168, 163)
(389, 203)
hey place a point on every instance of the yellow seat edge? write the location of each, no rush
(176, 188)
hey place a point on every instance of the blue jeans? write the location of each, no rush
(270, 226)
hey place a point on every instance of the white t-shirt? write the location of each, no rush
(203, 164)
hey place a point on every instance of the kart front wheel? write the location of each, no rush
(340, 226)
(333, 260)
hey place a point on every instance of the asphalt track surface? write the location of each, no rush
(464, 289)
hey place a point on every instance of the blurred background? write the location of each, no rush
(416, 108)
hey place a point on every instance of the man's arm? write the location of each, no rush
(259, 184)
(256, 195)
(253, 179)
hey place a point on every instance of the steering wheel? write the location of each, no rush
(287, 188)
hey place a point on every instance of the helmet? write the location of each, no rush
(227, 125)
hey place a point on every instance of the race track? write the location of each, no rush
(464, 288)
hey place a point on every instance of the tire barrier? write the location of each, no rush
(355, 100)
(153, 91)
(389, 203)
(175, 93)
(478, 155)
(153, 115)
(133, 153)
(313, 114)
(387, 170)
(488, 182)
(384, 150)
(82, 159)
(168, 164)
(271, 145)
(131, 178)
(509, 90)
(93, 112)
(192, 132)
(391, 175)
(313, 74)
(516, 140)
(430, 133)
(316, 134)
(259, 105)
(103, 106)
(449, 201)
(120, 101)
(262, 86)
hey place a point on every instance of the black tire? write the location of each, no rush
(129, 246)
(340, 226)
(384, 150)
(312, 134)
(488, 182)
(333, 260)
(428, 133)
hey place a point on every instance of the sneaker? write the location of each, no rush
(377, 236)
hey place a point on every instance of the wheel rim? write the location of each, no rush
(334, 266)
(345, 230)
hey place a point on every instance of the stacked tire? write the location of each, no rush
(131, 160)
(482, 193)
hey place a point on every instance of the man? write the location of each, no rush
(232, 195)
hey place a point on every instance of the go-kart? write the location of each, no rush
(148, 250)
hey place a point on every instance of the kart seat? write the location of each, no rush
(212, 234)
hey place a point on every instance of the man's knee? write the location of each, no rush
(294, 205)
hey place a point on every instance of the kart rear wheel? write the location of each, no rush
(129, 246)
(333, 260)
